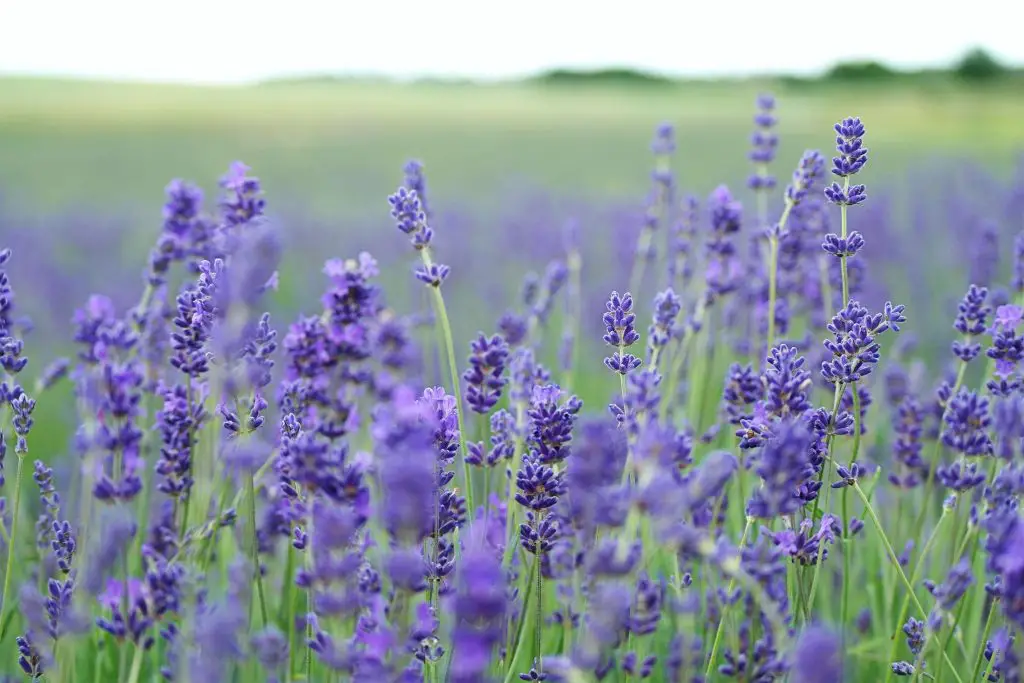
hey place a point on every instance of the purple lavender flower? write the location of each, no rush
(807, 173)
(243, 196)
(479, 610)
(681, 243)
(484, 376)
(667, 307)
(417, 182)
(783, 464)
(786, 383)
(949, 592)
(852, 157)
(854, 349)
(967, 420)
(118, 434)
(723, 269)
(970, 322)
(763, 144)
(620, 332)
(410, 217)
(11, 347)
(743, 388)
(818, 657)
(805, 544)
(908, 425)
(182, 220)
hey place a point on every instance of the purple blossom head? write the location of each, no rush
(853, 155)
(410, 217)
(484, 377)
(783, 464)
(405, 466)
(479, 608)
(667, 307)
(817, 658)
(1009, 317)
(726, 213)
(183, 228)
(763, 143)
(417, 182)
(808, 172)
(786, 382)
(664, 142)
(620, 332)
(243, 196)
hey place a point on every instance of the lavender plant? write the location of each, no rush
(321, 502)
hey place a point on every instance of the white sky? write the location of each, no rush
(216, 41)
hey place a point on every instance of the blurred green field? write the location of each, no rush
(337, 147)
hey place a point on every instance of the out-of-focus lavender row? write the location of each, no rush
(919, 227)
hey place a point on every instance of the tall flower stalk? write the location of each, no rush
(411, 218)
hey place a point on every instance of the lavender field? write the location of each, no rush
(465, 383)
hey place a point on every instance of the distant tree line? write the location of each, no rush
(976, 66)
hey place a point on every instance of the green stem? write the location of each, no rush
(287, 610)
(518, 656)
(16, 515)
(512, 515)
(122, 666)
(133, 677)
(844, 605)
(725, 609)
(845, 601)
(446, 332)
(984, 640)
(575, 312)
(309, 593)
(826, 475)
(896, 563)
(679, 359)
(914, 576)
(773, 275)
(773, 266)
(932, 461)
(254, 553)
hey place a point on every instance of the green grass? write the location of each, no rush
(335, 148)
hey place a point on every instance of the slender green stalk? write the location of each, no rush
(932, 461)
(679, 359)
(512, 515)
(538, 627)
(826, 475)
(133, 677)
(984, 640)
(122, 669)
(896, 563)
(309, 593)
(845, 603)
(453, 369)
(286, 612)
(725, 609)
(519, 656)
(12, 546)
(574, 310)
(773, 273)
(914, 576)
(254, 551)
